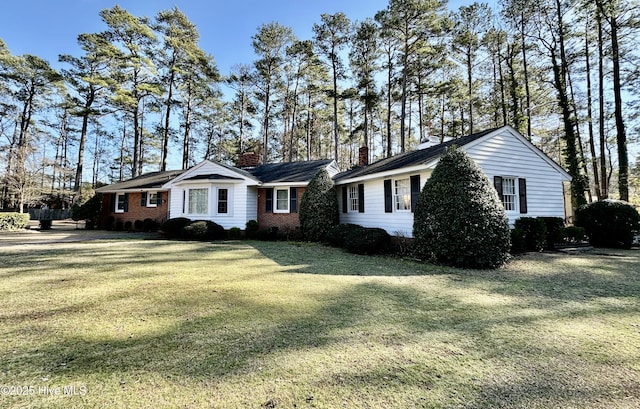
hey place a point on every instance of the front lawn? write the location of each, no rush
(142, 323)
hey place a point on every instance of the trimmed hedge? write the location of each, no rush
(534, 233)
(554, 226)
(251, 229)
(337, 235)
(13, 221)
(367, 240)
(172, 228)
(459, 219)
(609, 223)
(203, 230)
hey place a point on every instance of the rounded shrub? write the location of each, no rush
(203, 230)
(534, 233)
(127, 225)
(319, 207)
(149, 225)
(573, 234)
(608, 223)
(138, 225)
(337, 234)
(459, 219)
(367, 240)
(172, 228)
(14, 221)
(518, 241)
(234, 233)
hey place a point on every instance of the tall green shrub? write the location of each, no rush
(319, 207)
(89, 211)
(609, 223)
(459, 219)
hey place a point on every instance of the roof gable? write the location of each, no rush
(428, 157)
(209, 170)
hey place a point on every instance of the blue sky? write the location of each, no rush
(47, 28)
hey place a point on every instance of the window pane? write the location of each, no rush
(198, 201)
(282, 199)
(223, 201)
(402, 197)
(353, 198)
(509, 193)
(152, 199)
(120, 205)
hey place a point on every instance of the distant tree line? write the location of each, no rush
(565, 73)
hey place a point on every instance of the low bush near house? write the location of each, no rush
(108, 223)
(337, 234)
(172, 228)
(119, 225)
(518, 241)
(149, 225)
(127, 225)
(13, 221)
(268, 234)
(554, 226)
(138, 224)
(203, 230)
(609, 223)
(251, 229)
(234, 233)
(367, 240)
(534, 233)
(573, 234)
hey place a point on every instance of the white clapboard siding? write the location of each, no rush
(396, 223)
(242, 201)
(505, 154)
(501, 153)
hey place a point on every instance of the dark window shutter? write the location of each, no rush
(361, 198)
(159, 199)
(388, 197)
(345, 200)
(522, 193)
(497, 183)
(293, 200)
(143, 199)
(415, 191)
(269, 200)
(126, 202)
(113, 202)
(184, 201)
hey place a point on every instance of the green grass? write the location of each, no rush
(142, 323)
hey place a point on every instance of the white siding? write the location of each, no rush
(503, 154)
(506, 155)
(242, 195)
(398, 223)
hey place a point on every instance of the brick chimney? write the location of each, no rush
(248, 160)
(363, 156)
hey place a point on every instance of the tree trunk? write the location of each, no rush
(621, 138)
(592, 148)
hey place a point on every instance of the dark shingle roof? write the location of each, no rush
(407, 159)
(289, 171)
(153, 180)
(213, 176)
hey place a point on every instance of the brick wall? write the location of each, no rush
(135, 211)
(283, 221)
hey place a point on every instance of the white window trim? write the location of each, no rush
(116, 209)
(353, 199)
(187, 204)
(229, 201)
(515, 195)
(275, 200)
(149, 204)
(399, 198)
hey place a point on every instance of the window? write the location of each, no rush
(282, 200)
(223, 200)
(121, 203)
(353, 198)
(152, 199)
(198, 201)
(402, 195)
(509, 193)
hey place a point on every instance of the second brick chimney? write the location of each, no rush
(363, 156)
(248, 160)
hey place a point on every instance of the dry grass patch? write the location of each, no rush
(256, 324)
